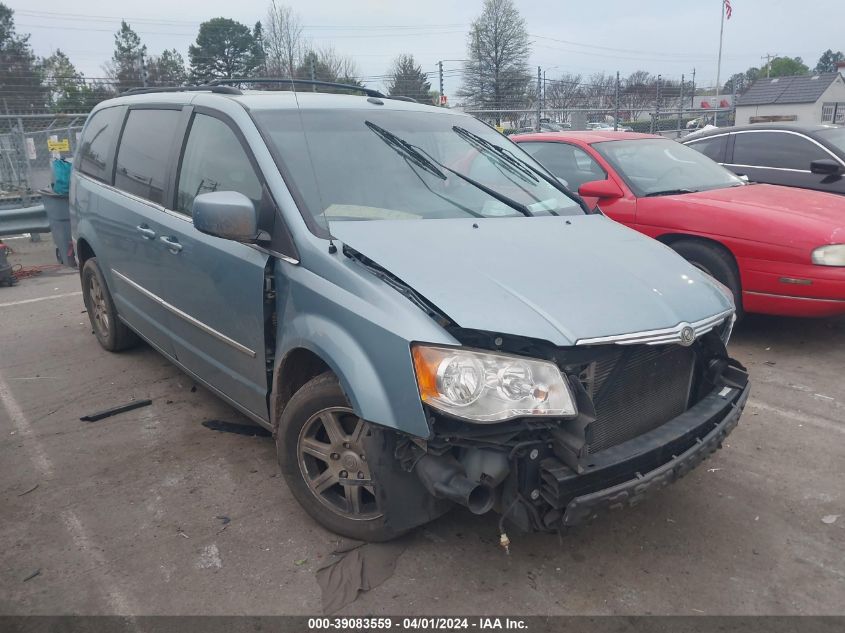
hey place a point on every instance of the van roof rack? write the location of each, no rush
(226, 90)
(221, 86)
(305, 82)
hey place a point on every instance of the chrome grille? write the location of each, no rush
(650, 389)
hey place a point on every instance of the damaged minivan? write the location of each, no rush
(421, 313)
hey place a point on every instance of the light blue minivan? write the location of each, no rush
(421, 314)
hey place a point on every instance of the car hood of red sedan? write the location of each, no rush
(771, 213)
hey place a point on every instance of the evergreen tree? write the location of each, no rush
(67, 89)
(407, 79)
(20, 76)
(224, 49)
(827, 62)
(124, 68)
(167, 69)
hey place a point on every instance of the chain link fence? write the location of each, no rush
(28, 144)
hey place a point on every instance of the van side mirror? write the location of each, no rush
(600, 189)
(826, 167)
(227, 214)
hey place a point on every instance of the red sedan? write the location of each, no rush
(780, 250)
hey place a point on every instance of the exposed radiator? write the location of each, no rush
(650, 389)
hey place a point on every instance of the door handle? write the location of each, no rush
(172, 244)
(146, 232)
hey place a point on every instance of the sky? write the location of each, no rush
(669, 37)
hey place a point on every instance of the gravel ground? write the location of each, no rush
(123, 516)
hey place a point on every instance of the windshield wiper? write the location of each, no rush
(670, 192)
(487, 148)
(506, 154)
(414, 153)
(406, 150)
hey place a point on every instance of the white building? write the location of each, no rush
(808, 99)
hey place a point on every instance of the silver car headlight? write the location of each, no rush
(488, 387)
(830, 255)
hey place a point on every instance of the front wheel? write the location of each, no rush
(320, 445)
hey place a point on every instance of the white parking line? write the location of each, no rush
(24, 429)
(797, 416)
(118, 602)
(23, 301)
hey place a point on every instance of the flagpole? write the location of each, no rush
(719, 62)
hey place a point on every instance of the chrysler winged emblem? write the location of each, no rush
(687, 335)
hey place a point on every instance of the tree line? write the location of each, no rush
(495, 74)
(274, 47)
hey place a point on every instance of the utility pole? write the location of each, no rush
(768, 57)
(440, 70)
(657, 105)
(313, 74)
(616, 104)
(544, 90)
(142, 69)
(692, 96)
(681, 106)
(539, 93)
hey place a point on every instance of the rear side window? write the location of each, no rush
(712, 148)
(214, 160)
(99, 134)
(144, 151)
(775, 149)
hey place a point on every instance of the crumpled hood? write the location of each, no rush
(552, 278)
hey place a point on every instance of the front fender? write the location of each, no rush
(364, 335)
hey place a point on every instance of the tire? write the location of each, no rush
(716, 262)
(112, 333)
(302, 434)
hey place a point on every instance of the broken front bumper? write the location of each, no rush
(621, 476)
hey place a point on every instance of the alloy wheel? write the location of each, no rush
(334, 465)
(98, 306)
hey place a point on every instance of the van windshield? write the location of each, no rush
(371, 164)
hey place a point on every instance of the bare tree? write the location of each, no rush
(563, 93)
(496, 74)
(639, 94)
(598, 90)
(284, 43)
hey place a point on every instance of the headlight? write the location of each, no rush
(832, 255)
(487, 387)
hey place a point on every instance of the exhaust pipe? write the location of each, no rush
(444, 478)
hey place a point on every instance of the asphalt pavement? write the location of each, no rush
(151, 512)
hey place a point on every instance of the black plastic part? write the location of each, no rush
(225, 90)
(622, 474)
(630, 493)
(402, 498)
(303, 82)
(445, 478)
(115, 410)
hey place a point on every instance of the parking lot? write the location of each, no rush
(150, 512)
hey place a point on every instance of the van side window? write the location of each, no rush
(93, 151)
(214, 160)
(712, 148)
(775, 149)
(144, 151)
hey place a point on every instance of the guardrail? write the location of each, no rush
(24, 220)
